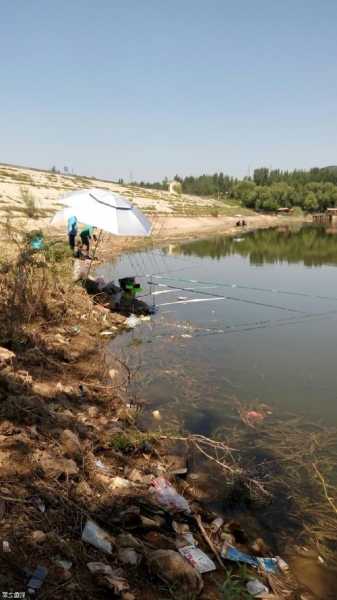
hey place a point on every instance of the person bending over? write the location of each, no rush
(86, 235)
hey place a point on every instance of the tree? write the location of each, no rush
(261, 176)
(311, 202)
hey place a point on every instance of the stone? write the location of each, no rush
(93, 411)
(119, 483)
(127, 540)
(128, 556)
(173, 569)
(156, 523)
(38, 536)
(83, 489)
(70, 442)
(6, 357)
(135, 475)
(55, 466)
(176, 465)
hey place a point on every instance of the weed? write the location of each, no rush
(29, 208)
(121, 442)
(233, 587)
(175, 593)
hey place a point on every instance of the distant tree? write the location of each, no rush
(311, 202)
(261, 176)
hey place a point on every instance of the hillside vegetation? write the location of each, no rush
(19, 186)
(267, 190)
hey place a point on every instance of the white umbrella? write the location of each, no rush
(105, 210)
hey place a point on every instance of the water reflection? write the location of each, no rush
(311, 245)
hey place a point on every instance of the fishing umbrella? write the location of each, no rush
(105, 210)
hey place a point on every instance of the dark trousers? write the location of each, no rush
(85, 241)
(72, 238)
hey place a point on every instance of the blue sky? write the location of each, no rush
(158, 87)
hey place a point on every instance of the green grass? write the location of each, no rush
(234, 586)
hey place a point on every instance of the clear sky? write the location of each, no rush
(158, 87)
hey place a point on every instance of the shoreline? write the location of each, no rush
(172, 230)
(73, 446)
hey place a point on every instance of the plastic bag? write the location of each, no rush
(167, 496)
(132, 321)
(94, 535)
(231, 553)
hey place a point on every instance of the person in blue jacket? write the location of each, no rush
(72, 231)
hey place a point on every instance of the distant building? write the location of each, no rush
(175, 187)
(284, 210)
(327, 218)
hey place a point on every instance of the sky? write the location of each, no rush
(144, 89)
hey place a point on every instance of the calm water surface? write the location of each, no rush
(252, 317)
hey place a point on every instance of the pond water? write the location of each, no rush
(252, 317)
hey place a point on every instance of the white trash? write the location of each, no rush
(167, 496)
(132, 321)
(198, 559)
(256, 588)
(94, 535)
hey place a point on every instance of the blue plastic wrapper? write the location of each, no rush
(37, 243)
(231, 553)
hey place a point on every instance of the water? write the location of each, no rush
(218, 334)
(253, 320)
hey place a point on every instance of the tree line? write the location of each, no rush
(267, 189)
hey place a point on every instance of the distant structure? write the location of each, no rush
(327, 218)
(175, 187)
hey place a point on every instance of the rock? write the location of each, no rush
(83, 489)
(6, 357)
(54, 466)
(154, 523)
(113, 579)
(174, 570)
(63, 564)
(135, 475)
(176, 465)
(93, 412)
(70, 442)
(259, 547)
(159, 541)
(127, 540)
(128, 596)
(43, 389)
(113, 373)
(38, 537)
(128, 556)
(119, 483)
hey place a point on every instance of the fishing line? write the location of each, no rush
(255, 289)
(236, 299)
(265, 324)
